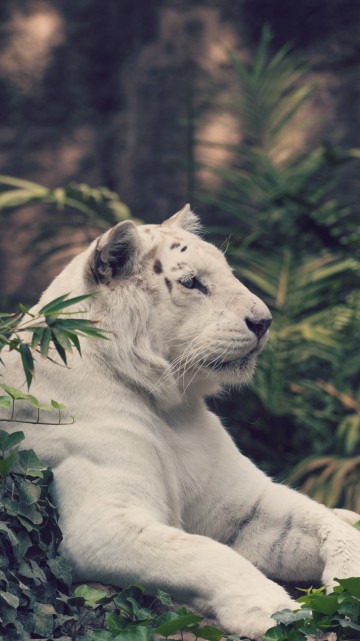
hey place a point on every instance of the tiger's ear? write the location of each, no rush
(115, 253)
(184, 219)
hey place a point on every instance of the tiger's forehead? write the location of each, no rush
(173, 243)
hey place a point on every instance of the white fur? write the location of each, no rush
(150, 487)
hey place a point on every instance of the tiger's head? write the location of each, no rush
(180, 322)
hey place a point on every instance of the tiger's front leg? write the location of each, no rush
(297, 539)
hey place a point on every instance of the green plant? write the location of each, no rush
(50, 329)
(295, 241)
(32, 577)
(91, 205)
(338, 612)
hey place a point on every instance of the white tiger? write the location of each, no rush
(150, 487)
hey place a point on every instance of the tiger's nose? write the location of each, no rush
(258, 327)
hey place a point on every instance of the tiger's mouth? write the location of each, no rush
(235, 363)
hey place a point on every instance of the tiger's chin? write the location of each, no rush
(238, 373)
(235, 372)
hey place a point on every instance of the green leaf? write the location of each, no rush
(138, 633)
(45, 342)
(99, 635)
(352, 585)
(26, 571)
(60, 303)
(278, 633)
(31, 513)
(327, 604)
(115, 622)
(173, 622)
(8, 441)
(5, 402)
(37, 336)
(29, 493)
(38, 572)
(9, 533)
(27, 362)
(58, 406)
(92, 597)
(10, 599)
(349, 624)
(36, 403)
(74, 339)
(163, 597)
(27, 525)
(6, 463)
(144, 614)
(43, 619)
(290, 616)
(208, 632)
(28, 464)
(59, 348)
(356, 525)
(62, 339)
(15, 393)
(61, 569)
(350, 607)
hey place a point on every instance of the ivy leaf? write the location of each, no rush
(29, 493)
(139, 633)
(209, 632)
(6, 463)
(352, 585)
(38, 572)
(58, 406)
(357, 525)
(28, 464)
(115, 622)
(290, 616)
(43, 619)
(278, 633)
(15, 393)
(144, 614)
(163, 597)
(92, 597)
(10, 599)
(171, 622)
(349, 624)
(31, 513)
(99, 635)
(61, 569)
(7, 441)
(9, 533)
(326, 604)
(36, 403)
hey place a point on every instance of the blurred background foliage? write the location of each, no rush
(274, 195)
(295, 241)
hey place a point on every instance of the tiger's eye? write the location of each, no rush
(189, 283)
(193, 283)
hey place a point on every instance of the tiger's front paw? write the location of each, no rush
(251, 615)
